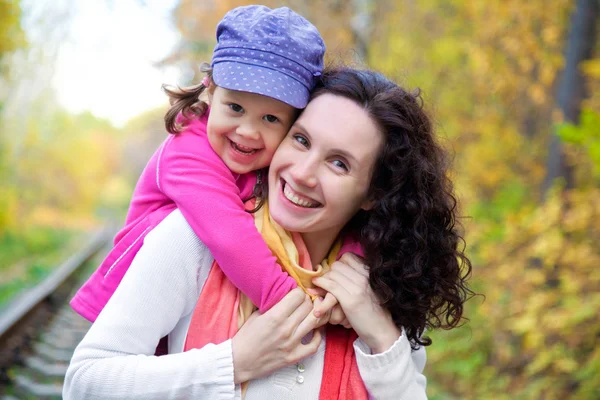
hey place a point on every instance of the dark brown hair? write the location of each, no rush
(415, 253)
(185, 101)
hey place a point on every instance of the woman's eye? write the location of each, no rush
(236, 108)
(340, 164)
(302, 140)
(270, 118)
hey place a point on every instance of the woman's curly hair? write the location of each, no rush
(418, 268)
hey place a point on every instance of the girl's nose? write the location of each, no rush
(248, 130)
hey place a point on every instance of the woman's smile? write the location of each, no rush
(320, 173)
(297, 198)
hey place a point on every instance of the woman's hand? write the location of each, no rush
(266, 343)
(348, 282)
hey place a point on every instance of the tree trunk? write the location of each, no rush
(571, 90)
(361, 26)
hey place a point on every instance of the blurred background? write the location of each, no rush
(513, 89)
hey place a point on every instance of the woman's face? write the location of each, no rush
(320, 174)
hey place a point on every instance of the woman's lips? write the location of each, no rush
(297, 198)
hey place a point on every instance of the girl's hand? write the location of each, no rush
(348, 282)
(266, 343)
(328, 309)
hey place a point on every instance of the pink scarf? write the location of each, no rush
(221, 309)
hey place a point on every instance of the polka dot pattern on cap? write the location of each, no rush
(260, 80)
(276, 53)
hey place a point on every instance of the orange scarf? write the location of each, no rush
(222, 309)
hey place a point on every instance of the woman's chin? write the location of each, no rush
(287, 221)
(281, 219)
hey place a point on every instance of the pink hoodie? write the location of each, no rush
(186, 173)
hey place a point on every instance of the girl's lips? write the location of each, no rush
(245, 150)
(238, 155)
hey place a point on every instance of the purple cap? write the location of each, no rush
(275, 53)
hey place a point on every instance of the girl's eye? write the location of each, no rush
(270, 118)
(236, 107)
(302, 140)
(340, 164)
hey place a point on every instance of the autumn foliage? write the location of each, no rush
(489, 72)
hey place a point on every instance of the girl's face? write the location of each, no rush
(244, 129)
(320, 174)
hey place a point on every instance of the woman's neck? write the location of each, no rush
(318, 245)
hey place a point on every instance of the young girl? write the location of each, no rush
(263, 68)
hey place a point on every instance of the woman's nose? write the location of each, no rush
(304, 173)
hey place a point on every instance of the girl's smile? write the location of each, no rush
(245, 128)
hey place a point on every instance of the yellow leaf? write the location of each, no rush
(591, 68)
(566, 365)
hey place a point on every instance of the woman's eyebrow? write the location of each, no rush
(341, 152)
(349, 157)
(297, 124)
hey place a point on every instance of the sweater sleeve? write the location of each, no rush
(396, 374)
(115, 359)
(204, 189)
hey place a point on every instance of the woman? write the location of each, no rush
(361, 160)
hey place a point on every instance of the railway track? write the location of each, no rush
(39, 330)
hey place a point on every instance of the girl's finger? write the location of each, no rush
(323, 307)
(331, 285)
(316, 291)
(337, 315)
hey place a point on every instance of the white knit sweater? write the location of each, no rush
(156, 297)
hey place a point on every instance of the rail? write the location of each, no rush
(22, 320)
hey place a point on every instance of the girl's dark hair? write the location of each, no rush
(186, 101)
(415, 253)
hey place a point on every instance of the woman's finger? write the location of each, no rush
(299, 314)
(348, 284)
(303, 327)
(349, 294)
(347, 271)
(306, 350)
(356, 263)
(289, 304)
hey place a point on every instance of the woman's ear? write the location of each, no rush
(368, 204)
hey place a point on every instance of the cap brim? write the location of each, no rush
(255, 79)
